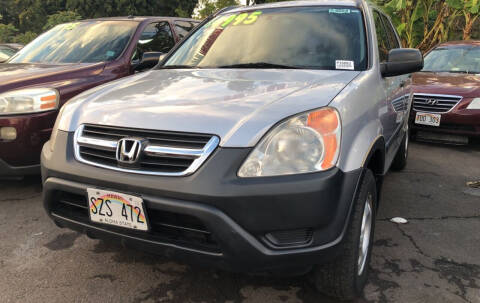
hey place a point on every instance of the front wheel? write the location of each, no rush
(346, 276)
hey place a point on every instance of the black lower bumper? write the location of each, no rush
(7, 171)
(224, 220)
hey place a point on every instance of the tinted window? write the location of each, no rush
(5, 53)
(156, 37)
(392, 38)
(183, 27)
(382, 38)
(455, 59)
(302, 37)
(79, 42)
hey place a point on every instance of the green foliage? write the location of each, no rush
(61, 17)
(31, 17)
(424, 23)
(25, 38)
(208, 7)
(7, 32)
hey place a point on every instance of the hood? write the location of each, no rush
(19, 75)
(465, 85)
(238, 105)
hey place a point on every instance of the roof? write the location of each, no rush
(139, 18)
(15, 46)
(461, 42)
(355, 3)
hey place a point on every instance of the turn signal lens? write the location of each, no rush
(326, 122)
(48, 102)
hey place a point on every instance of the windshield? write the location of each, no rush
(80, 42)
(300, 37)
(454, 59)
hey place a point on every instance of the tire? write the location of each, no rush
(400, 160)
(345, 277)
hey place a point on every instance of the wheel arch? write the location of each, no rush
(375, 161)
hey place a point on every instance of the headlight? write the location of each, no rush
(28, 101)
(306, 143)
(475, 104)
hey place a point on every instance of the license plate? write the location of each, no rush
(428, 119)
(112, 208)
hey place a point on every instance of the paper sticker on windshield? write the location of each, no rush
(243, 18)
(339, 11)
(344, 64)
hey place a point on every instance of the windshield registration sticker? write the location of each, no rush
(339, 11)
(344, 64)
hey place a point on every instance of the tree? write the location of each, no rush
(25, 38)
(107, 8)
(208, 7)
(424, 23)
(7, 33)
(61, 17)
(470, 11)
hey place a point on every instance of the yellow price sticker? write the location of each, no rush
(70, 26)
(243, 18)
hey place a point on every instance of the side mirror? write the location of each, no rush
(402, 61)
(149, 60)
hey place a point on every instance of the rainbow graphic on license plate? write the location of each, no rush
(117, 209)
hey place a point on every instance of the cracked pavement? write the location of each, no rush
(435, 257)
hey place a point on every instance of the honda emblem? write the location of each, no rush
(128, 150)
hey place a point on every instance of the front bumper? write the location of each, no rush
(459, 121)
(22, 156)
(237, 213)
(7, 171)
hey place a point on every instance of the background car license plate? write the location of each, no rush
(428, 119)
(117, 209)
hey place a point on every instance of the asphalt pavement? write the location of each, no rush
(435, 257)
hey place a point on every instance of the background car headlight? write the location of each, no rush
(306, 143)
(28, 101)
(475, 104)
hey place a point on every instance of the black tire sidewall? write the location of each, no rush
(368, 188)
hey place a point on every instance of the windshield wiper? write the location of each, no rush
(450, 71)
(258, 65)
(462, 71)
(176, 66)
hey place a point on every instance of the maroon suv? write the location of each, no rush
(447, 93)
(64, 62)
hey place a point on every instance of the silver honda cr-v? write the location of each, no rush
(258, 144)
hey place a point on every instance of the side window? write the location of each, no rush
(156, 37)
(183, 27)
(382, 38)
(391, 33)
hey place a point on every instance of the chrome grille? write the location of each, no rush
(432, 103)
(400, 104)
(163, 153)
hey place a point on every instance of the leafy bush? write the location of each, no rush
(61, 17)
(7, 32)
